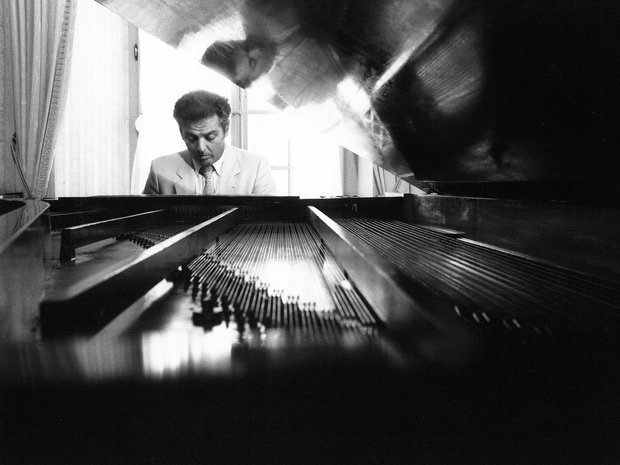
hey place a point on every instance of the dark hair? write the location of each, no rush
(220, 56)
(201, 104)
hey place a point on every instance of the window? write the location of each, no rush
(119, 116)
(165, 75)
(303, 162)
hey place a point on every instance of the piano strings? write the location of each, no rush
(489, 286)
(276, 275)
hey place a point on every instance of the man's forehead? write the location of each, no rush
(202, 126)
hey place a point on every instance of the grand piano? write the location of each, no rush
(476, 322)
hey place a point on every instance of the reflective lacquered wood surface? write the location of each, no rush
(16, 217)
(471, 90)
(24, 242)
(174, 392)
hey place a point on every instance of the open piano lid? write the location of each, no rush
(443, 90)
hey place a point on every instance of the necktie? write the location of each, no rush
(207, 173)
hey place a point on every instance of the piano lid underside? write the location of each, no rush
(463, 90)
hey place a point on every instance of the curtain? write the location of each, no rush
(358, 177)
(96, 136)
(38, 34)
(378, 177)
(9, 180)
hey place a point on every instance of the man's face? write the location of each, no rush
(204, 139)
(251, 64)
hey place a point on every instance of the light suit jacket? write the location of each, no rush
(243, 173)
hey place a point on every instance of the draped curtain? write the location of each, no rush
(95, 139)
(38, 35)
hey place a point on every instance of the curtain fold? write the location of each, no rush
(39, 36)
(96, 138)
(378, 178)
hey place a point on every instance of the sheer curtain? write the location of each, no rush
(96, 136)
(38, 34)
(7, 175)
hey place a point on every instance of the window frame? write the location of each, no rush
(239, 130)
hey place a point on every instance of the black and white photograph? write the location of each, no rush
(309, 232)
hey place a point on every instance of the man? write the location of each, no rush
(209, 166)
(267, 25)
(242, 61)
(300, 68)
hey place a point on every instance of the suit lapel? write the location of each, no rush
(229, 180)
(186, 184)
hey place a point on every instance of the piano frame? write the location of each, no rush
(428, 370)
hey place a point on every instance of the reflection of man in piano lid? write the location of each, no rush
(242, 61)
(300, 68)
(209, 165)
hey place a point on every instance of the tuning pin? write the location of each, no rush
(181, 275)
(226, 315)
(240, 321)
(195, 286)
(252, 320)
(207, 306)
(197, 319)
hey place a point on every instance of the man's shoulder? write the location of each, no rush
(172, 159)
(244, 156)
(169, 157)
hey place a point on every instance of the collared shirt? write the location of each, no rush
(217, 172)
